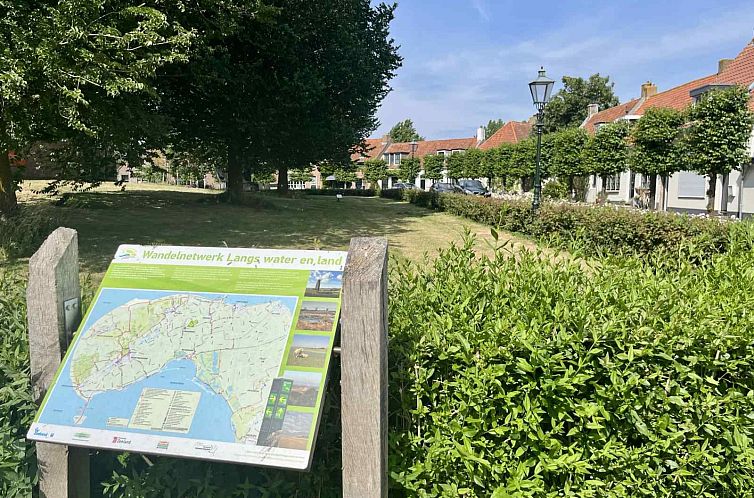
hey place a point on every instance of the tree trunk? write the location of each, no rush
(571, 190)
(283, 180)
(652, 190)
(724, 194)
(235, 174)
(662, 194)
(711, 192)
(8, 202)
(631, 182)
(603, 190)
(505, 183)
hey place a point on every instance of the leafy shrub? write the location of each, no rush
(392, 193)
(523, 377)
(368, 192)
(18, 468)
(23, 232)
(595, 229)
(555, 189)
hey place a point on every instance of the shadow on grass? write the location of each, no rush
(106, 219)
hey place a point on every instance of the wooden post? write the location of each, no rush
(364, 394)
(53, 302)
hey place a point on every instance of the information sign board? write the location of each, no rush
(201, 352)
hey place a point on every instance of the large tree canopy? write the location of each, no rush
(656, 148)
(717, 136)
(569, 106)
(404, 131)
(81, 71)
(283, 84)
(492, 126)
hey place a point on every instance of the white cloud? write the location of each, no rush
(454, 91)
(481, 7)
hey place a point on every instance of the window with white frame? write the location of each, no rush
(296, 185)
(612, 183)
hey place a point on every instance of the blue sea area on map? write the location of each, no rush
(212, 418)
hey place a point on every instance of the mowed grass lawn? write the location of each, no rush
(150, 214)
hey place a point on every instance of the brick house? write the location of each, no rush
(685, 190)
(395, 152)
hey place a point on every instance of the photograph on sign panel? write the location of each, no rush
(324, 284)
(308, 351)
(293, 435)
(305, 387)
(317, 315)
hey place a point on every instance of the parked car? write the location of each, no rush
(446, 188)
(474, 187)
(404, 186)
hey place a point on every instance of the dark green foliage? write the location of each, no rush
(718, 135)
(607, 152)
(289, 82)
(567, 159)
(492, 126)
(410, 167)
(555, 189)
(404, 131)
(527, 377)
(596, 230)
(524, 158)
(433, 166)
(456, 164)
(654, 138)
(375, 170)
(18, 465)
(568, 107)
(82, 72)
(720, 129)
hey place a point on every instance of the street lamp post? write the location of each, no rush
(541, 89)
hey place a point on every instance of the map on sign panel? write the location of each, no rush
(213, 353)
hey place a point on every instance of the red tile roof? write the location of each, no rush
(425, 147)
(675, 98)
(740, 71)
(511, 132)
(374, 148)
(609, 115)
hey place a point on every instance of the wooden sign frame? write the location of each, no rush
(53, 311)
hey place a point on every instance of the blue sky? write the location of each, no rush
(468, 61)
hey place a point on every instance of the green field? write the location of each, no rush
(155, 214)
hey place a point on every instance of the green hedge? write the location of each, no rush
(521, 377)
(594, 229)
(368, 192)
(392, 193)
(18, 468)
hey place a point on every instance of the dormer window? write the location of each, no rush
(698, 93)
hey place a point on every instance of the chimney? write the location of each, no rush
(480, 134)
(722, 64)
(386, 139)
(592, 109)
(648, 89)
